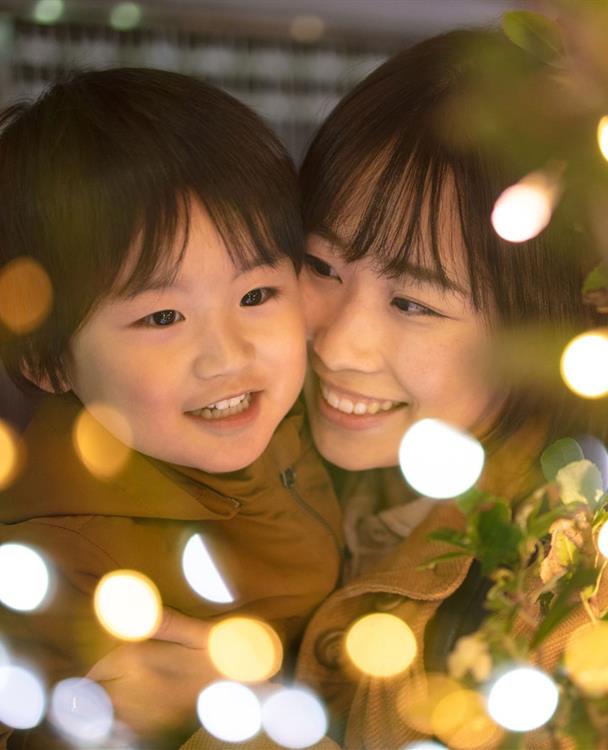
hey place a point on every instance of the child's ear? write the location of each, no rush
(43, 381)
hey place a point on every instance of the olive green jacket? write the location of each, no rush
(273, 531)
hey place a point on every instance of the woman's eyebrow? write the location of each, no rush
(430, 276)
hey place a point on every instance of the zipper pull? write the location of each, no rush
(288, 477)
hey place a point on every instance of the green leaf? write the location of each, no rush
(534, 33)
(580, 482)
(540, 526)
(441, 558)
(451, 536)
(596, 279)
(562, 604)
(469, 500)
(560, 454)
(498, 538)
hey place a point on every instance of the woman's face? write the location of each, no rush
(386, 352)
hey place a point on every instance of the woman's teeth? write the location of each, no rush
(225, 408)
(355, 407)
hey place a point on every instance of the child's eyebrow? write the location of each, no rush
(149, 285)
(425, 275)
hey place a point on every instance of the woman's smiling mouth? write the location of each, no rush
(356, 406)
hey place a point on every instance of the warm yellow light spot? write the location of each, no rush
(381, 645)
(101, 438)
(586, 658)
(128, 605)
(11, 454)
(602, 540)
(460, 720)
(523, 210)
(245, 650)
(602, 136)
(584, 364)
(307, 28)
(26, 295)
(418, 700)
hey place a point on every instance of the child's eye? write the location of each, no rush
(162, 318)
(258, 296)
(413, 308)
(320, 267)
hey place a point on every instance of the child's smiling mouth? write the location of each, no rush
(356, 406)
(227, 407)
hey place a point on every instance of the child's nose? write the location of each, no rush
(222, 351)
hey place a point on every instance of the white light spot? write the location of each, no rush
(128, 605)
(82, 710)
(125, 16)
(523, 210)
(602, 136)
(48, 11)
(229, 711)
(522, 699)
(22, 701)
(425, 745)
(439, 460)
(201, 573)
(294, 718)
(584, 364)
(24, 577)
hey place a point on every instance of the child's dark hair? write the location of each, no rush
(104, 165)
(386, 153)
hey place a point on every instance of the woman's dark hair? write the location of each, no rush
(104, 166)
(377, 178)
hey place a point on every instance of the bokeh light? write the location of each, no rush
(128, 605)
(125, 16)
(307, 28)
(381, 645)
(602, 539)
(48, 11)
(229, 711)
(294, 718)
(101, 437)
(26, 295)
(201, 573)
(461, 721)
(22, 698)
(586, 658)
(11, 455)
(81, 710)
(24, 577)
(522, 699)
(425, 745)
(523, 210)
(245, 650)
(439, 460)
(418, 699)
(602, 136)
(584, 364)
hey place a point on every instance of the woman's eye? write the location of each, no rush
(413, 308)
(258, 296)
(320, 267)
(162, 318)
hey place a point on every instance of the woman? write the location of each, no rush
(406, 288)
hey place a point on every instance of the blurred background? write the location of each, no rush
(291, 60)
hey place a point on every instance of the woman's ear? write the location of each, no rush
(43, 381)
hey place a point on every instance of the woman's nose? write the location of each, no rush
(345, 337)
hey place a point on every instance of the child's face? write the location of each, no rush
(204, 369)
(385, 353)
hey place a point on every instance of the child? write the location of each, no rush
(166, 217)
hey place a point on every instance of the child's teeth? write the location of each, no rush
(225, 408)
